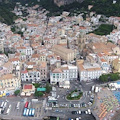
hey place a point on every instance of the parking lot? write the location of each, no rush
(13, 110)
(16, 112)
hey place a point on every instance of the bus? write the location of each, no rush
(30, 112)
(27, 112)
(93, 87)
(18, 104)
(2, 104)
(26, 104)
(33, 112)
(5, 104)
(29, 105)
(24, 112)
(10, 106)
(8, 110)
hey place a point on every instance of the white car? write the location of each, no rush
(79, 112)
(89, 111)
(79, 118)
(89, 103)
(58, 96)
(86, 112)
(79, 105)
(74, 105)
(85, 105)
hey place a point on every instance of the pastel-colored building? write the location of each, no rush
(66, 54)
(9, 83)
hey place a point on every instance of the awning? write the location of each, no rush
(28, 94)
(4, 94)
(22, 94)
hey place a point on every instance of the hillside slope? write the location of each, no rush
(105, 7)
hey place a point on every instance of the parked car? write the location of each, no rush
(79, 105)
(85, 105)
(90, 103)
(79, 112)
(72, 105)
(86, 112)
(74, 112)
(89, 111)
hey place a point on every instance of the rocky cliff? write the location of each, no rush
(65, 2)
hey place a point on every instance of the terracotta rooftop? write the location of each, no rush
(103, 60)
(25, 71)
(43, 64)
(14, 59)
(7, 76)
(57, 70)
(27, 86)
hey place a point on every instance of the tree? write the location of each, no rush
(114, 76)
(48, 88)
(104, 29)
(38, 94)
(36, 85)
(103, 78)
(17, 92)
(109, 77)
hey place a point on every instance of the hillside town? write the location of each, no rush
(59, 53)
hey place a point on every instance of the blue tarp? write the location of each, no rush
(41, 89)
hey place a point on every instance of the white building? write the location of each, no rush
(31, 76)
(104, 65)
(15, 62)
(88, 72)
(95, 20)
(25, 50)
(65, 73)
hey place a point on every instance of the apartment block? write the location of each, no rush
(9, 83)
(88, 71)
(65, 73)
